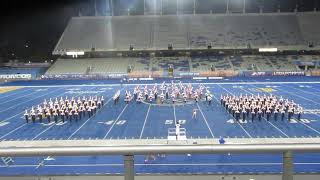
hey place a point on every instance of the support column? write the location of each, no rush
(287, 166)
(178, 7)
(161, 7)
(194, 6)
(95, 8)
(111, 7)
(244, 7)
(129, 167)
(227, 7)
(144, 7)
(155, 7)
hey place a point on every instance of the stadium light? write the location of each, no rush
(75, 53)
(268, 49)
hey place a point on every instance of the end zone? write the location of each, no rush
(8, 89)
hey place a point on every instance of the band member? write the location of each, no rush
(26, 116)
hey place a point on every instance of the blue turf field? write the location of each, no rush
(144, 121)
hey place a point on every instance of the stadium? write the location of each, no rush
(175, 89)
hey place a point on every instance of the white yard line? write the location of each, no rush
(307, 92)
(114, 123)
(91, 117)
(145, 121)
(54, 123)
(205, 120)
(19, 97)
(13, 130)
(26, 123)
(309, 127)
(42, 132)
(303, 98)
(277, 128)
(248, 134)
(23, 111)
(15, 93)
(135, 84)
(87, 120)
(50, 92)
(162, 164)
(287, 92)
(174, 114)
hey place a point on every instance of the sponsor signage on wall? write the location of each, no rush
(15, 76)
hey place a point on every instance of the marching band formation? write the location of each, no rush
(167, 93)
(260, 107)
(65, 109)
(243, 107)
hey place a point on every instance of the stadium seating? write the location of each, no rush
(69, 66)
(221, 63)
(282, 63)
(141, 67)
(200, 64)
(97, 65)
(258, 63)
(189, 31)
(169, 30)
(163, 63)
(309, 29)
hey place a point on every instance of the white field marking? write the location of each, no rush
(265, 118)
(309, 127)
(30, 100)
(20, 125)
(287, 92)
(74, 85)
(19, 97)
(90, 117)
(205, 120)
(42, 132)
(232, 121)
(238, 83)
(125, 107)
(232, 116)
(88, 120)
(52, 124)
(18, 92)
(135, 84)
(174, 114)
(276, 128)
(304, 91)
(156, 164)
(13, 130)
(4, 124)
(28, 108)
(144, 123)
(23, 112)
(299, 121)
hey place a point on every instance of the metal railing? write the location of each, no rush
(129, 151)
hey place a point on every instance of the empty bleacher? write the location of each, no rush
(310, 27)
(69, 66)
(120, 65)
(162, 63)
(282, 63)
(189, 31)
(97, 65)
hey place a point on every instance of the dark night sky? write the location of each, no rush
(36, 23)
